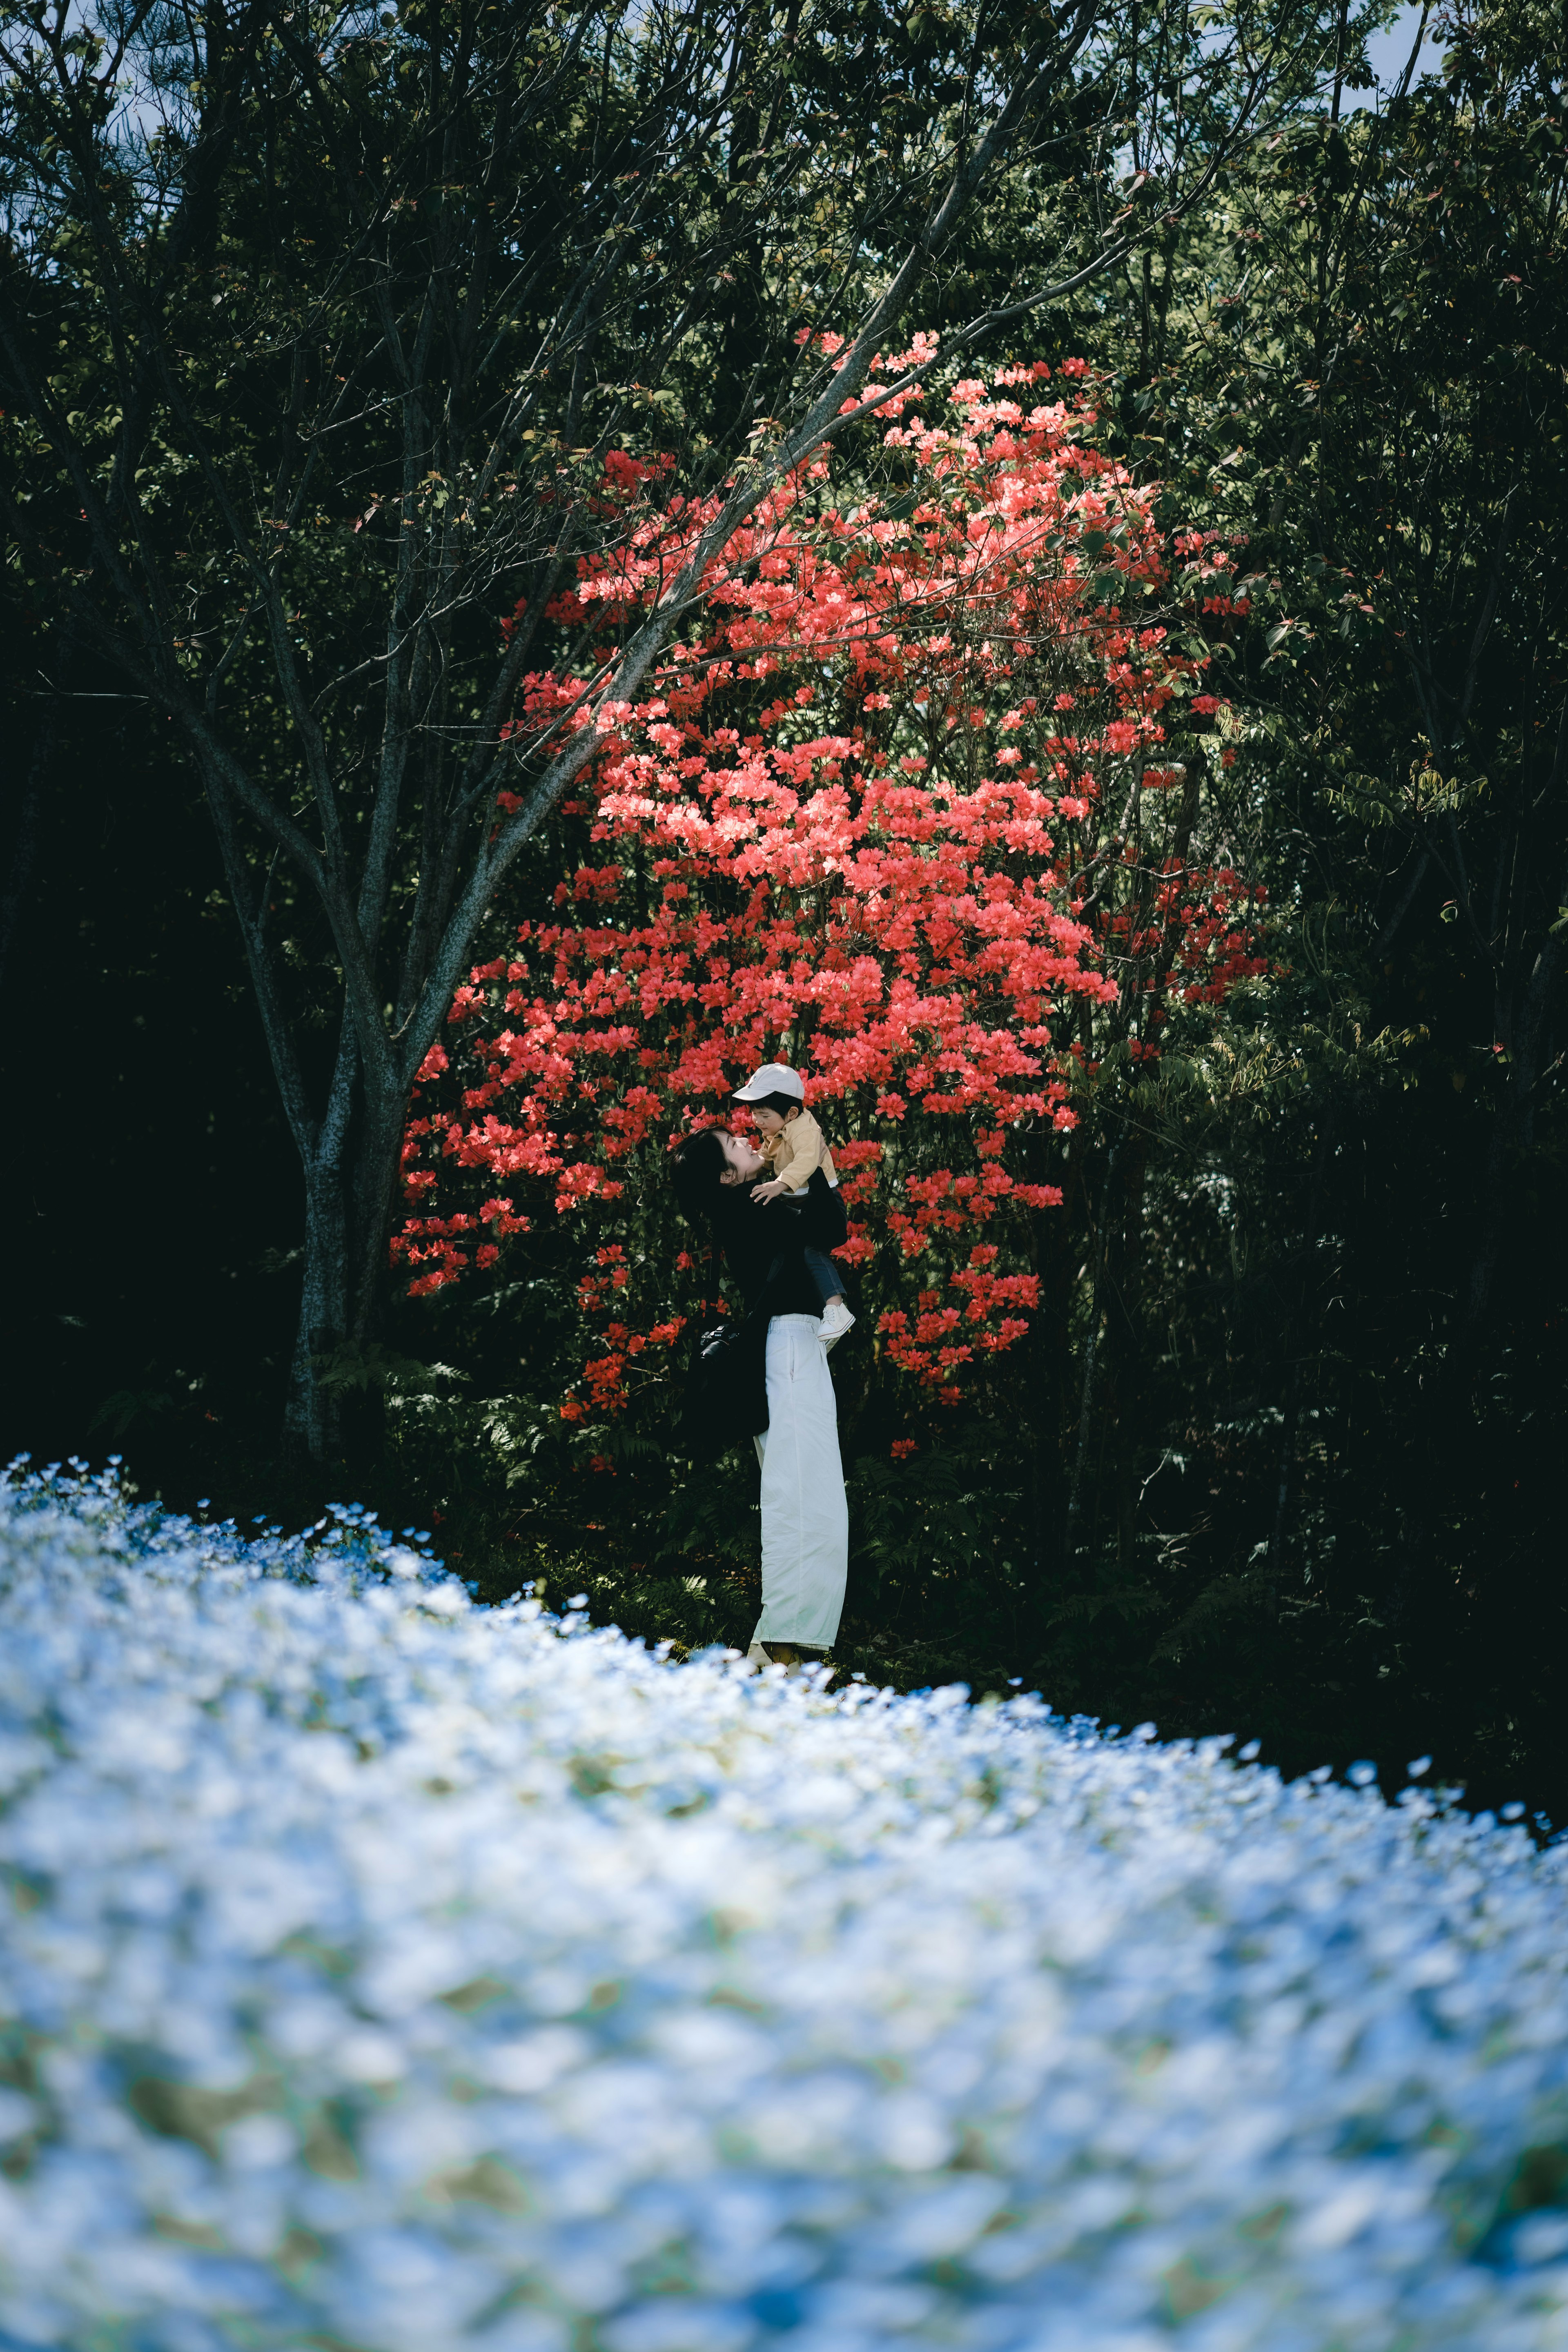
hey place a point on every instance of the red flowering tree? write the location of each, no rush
(914, 810)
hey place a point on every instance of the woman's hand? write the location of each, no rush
(770, 1191)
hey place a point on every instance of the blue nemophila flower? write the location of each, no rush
(385, 1971)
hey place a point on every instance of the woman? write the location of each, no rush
(783, 1394)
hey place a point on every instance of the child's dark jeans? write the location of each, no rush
(823, 1272)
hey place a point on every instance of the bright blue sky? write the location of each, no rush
(1389, 49)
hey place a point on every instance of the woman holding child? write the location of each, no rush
(776, 1215)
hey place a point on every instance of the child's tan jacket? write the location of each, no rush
(795, 1150)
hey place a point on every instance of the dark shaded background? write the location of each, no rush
(1323, 1499)
(153, 1206)
(152, 1192)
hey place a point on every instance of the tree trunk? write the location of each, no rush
(1099, 1245)
(1126, 1343)
(311, 1416)
(351, 1190)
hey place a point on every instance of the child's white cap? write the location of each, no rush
(772, 1078)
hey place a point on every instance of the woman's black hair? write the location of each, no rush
(783, 1104)
(698, 1173)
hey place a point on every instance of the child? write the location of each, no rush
(793, 1146)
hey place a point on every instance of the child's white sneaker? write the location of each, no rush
(836, 1320)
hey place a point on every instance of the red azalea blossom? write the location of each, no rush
(843, 830)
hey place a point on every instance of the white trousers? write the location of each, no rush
(805, 1517)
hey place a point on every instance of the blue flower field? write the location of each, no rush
(384, 1974)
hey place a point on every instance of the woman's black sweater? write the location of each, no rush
(764, 1242)
(763, 1248)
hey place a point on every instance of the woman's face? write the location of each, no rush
(741, 1163)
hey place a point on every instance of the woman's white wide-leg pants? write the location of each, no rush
(805, 1517)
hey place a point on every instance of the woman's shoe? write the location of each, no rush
(836, 1320)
